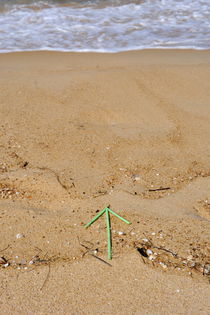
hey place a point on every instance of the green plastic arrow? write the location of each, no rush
(107, 210)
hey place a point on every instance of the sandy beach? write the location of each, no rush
(80, 131)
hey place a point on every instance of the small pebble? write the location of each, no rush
(191, 264)
(121, 233)
(153, 233)
(152, 257)
(6, 265)
(136, 177)
(19, 235)
(149, 252)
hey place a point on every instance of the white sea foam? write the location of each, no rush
(104, 26)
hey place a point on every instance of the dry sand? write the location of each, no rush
(75, 129)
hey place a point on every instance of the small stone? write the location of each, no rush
(6, 265)
(136, 177)
(121, 233)
(149, 252)
(19, 235)
(153, 233)
(152, 257)
(145, 240)
(191, 264)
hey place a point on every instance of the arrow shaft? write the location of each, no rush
(108, 226)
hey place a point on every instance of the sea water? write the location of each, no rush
(103, 25)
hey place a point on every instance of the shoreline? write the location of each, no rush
(148, 55)
(106, 52)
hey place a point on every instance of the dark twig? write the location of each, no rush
(104, 261)
(159, 189)
(166, 250)
(4, 248)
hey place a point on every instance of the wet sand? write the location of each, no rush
(79, 132)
